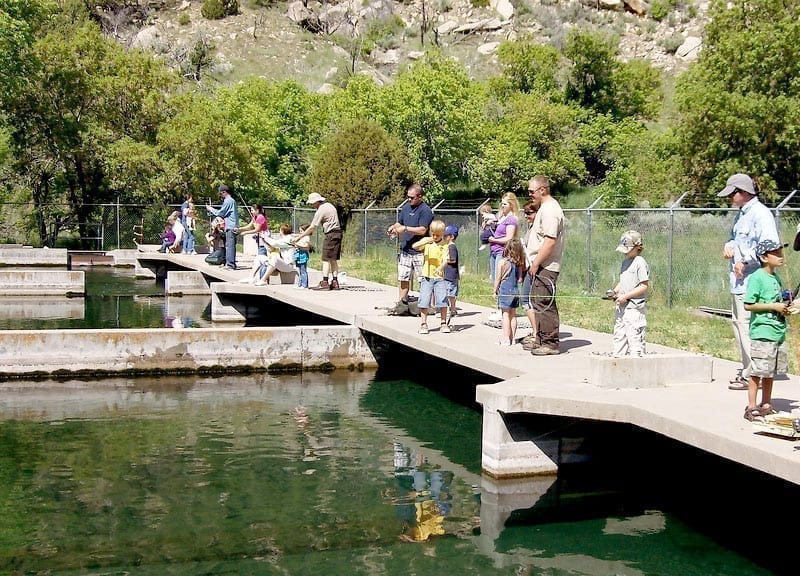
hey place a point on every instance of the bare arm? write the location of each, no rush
(637, 292)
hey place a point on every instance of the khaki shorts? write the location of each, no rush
(768, 358)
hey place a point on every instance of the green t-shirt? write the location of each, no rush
(765, 287)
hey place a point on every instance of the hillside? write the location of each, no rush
(266, 41)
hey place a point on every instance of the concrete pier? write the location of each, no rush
(186, 283)
(41, 282)
(28, 256)
(25, 352)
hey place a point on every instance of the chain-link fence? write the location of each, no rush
(683, 246)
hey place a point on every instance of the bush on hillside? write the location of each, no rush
(218, 9)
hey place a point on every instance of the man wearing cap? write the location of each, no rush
(753, 224)
(230, 213)
(412, 225)
(327, 217)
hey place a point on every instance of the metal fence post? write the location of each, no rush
(670, 246)
(589, 243)
(116, 206)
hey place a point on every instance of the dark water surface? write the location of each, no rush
(347, 473)
(114, 299)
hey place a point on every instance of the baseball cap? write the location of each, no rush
(451, 230)
(738, 182)
(223, 188)
(313, 198)
(768, 246)
(629, 240)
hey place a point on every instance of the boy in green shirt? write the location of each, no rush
(768, 351)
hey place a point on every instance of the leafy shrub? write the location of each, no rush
(359, 164)
(184, 19)
(660, 8)
(218, 9)
(672, 43)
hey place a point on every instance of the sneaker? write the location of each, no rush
(259, 283)
(530, 343)
(445, 329)
(423, 329)
(503, 343)
(335, 284)
(545, 351)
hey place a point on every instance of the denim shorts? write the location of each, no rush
(433, 287)
(452, 288)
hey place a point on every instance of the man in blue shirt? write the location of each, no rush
(753, 224)
(411, 226)
(230, 213)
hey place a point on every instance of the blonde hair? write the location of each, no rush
(286, 229)
(437, 227)
(511, 198)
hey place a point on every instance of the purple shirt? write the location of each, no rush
(500, 232)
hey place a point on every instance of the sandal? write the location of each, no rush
(751, 414)
(738, 383)
(766, 409)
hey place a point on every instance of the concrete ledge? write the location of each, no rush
(649, 371)
(191, 283)
(26, 353)
(41, 308)
(28, 256)
(31, 282)
(124, 257)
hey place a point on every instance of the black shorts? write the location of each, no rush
(332, 245)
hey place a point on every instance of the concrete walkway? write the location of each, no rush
(703, 414)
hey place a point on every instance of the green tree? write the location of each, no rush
(530, 67)
(436, 110)
(283, 121)
(19, 22)
(202, 148)
(599, 81)
(739, 105)
(359, 164)
(82, 93)
(532, 136)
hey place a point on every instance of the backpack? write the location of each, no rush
(216, 257)
(410, 308)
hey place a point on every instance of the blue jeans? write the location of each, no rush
(230, 248)
(188, 242)
(302, 270)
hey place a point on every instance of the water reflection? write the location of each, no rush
(299, 475)
(114, 299)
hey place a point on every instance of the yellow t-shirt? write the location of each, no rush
(435, 255)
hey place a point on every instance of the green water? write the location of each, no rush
(305, 475)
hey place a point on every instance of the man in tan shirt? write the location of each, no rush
(544, 249)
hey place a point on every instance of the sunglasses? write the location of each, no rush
(529, 213)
